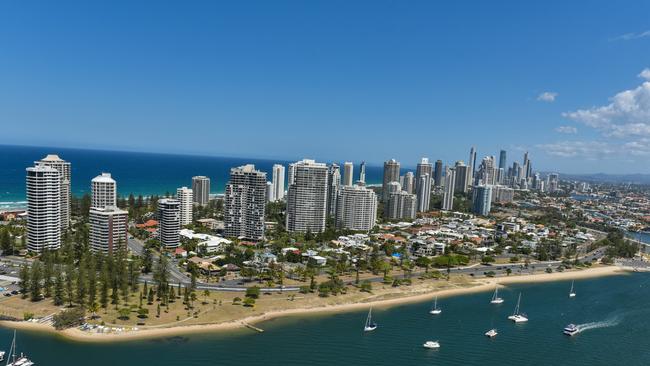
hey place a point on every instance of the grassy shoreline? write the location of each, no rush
(416, 293)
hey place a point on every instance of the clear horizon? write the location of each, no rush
(338, 80)
(405, 166)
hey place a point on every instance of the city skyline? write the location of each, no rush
(421, 69)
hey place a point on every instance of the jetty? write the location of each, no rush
(252, 327)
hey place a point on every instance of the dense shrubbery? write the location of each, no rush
(450, 260)
(69, 318)
(617, 245)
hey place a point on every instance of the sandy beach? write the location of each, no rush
(479, 285)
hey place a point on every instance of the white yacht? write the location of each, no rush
(571, 330)
(431, 344)
(370, 325)
(495, 298)
(491, 333)
(571, 292)
(2, 356)
(15, 360)
(518, 317)
(435, 310)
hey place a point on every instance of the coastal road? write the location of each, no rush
(177, 276)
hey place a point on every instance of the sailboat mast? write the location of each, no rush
(12, 350)
(517, 308)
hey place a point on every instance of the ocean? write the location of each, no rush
(135, 172)
(612, 312)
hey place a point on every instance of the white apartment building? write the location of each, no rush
(54, 161)
(108, 229)
(186, 197)
(245, 201)
(104, 191)
(43, 208)
(307, 197)
(278, 182)
(356, 208)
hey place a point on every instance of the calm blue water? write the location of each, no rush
(137, 173)
(614, 311)
(642, 237)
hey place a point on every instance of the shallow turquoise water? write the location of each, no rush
(138, 173)
(615, 307)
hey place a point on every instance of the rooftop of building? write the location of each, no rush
(104, 178)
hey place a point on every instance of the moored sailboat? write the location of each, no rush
(13, 359)
(495, 298)
(370, 324)
(491, 333)
(435, 310)
(518, 317)
(571, 292)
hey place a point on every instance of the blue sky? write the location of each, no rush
(334, 80)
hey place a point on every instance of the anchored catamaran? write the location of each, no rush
(495, 298)
(13, 359)
(491, 333)
(516, 316)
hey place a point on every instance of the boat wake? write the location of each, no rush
(612, 322)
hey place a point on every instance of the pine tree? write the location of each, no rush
(35, 281)
(103, 292)
(147, 261)
(24, 280)
(58, 289)
(81, 284)
(161, 276)
(47, 276)
(6, 242)
(92, 281)
(69, 283)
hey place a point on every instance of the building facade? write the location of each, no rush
(245, 201)
(356, 208)
(482, 200)
(348, 174)
(43, 208)
(108, 229)
(108, 224)
(200, 190)
(362, 173)
(278, 182)
(104, 191)
(63, 167)
(169, 222)
(437, 173)
(424, 192)
(333, 187)
(391, 174)
(408, 182)
(186, 197)
(462, 177)
(450, 187)
(307, 198)
(401, 205)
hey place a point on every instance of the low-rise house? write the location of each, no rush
(318, 260)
